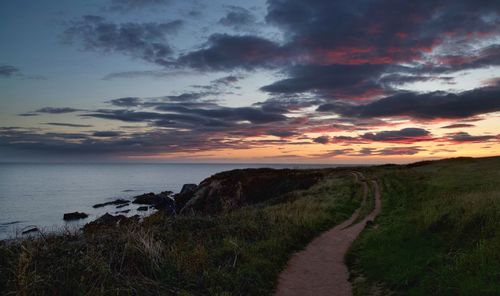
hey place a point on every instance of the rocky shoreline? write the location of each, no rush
(221, 192)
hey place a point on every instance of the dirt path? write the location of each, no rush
(319, 269)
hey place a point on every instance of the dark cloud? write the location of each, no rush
(458, 125)
(424, 106)
(400, 150)
(333, 153)
(407, 135)
(191, 96)
(281, 133)
(253, 115)
(348, 58)
(338, 81)
(29, 114)
(354, 50)
(378, 31)
(128, 5)
(238, 18)
(227, 52)
(463, 137)
(227, 80)
(347, 139)
(54, 110)
(126, 102)
(322, 140)
(398, 79)
(287, 104)
(481, 58)
(147, 41)
(368, 151)
(124, 115)
(143, 74)
(108, 144)
(67, 124)
(106, 134)
(7, 71)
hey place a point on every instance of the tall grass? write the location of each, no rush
(439, 232)
(236, 253)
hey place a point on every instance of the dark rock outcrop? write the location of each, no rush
(31, 230)
(108, 220)
(74, 216)
(162, 201)
(233, 189)
(114, 202)
(143, 208)
(124, 212)
(185, 195)
(145, 199)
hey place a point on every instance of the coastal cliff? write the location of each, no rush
(233, 189)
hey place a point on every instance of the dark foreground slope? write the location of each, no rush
(235, 252)
(438, 234)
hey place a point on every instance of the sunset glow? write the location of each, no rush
(262, 81)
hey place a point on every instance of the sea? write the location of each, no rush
(38, 194)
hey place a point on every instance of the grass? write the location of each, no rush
(438, 234)
(237, 253)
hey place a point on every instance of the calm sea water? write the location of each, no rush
(39, 194)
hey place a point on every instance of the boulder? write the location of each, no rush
(162, 201)
(145, 199)
(184, 195)
(106, 220)
(74, 216)
(114, 202)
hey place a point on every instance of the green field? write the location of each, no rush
(438, 234)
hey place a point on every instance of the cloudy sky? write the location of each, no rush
(317, 81)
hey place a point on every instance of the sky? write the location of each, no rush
(276, 81)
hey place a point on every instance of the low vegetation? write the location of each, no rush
(438, 234)
(239, 252)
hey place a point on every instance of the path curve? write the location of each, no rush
(319, 269)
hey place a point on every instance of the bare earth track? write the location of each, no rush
(319, 269)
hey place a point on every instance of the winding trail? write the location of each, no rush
(319, 269)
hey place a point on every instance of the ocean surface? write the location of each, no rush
(39, 194)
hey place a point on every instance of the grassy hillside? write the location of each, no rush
(438, 234)
(236, 253)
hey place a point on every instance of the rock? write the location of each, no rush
(188, 188)
(143, 208)
(30, 230)
(74, 216)
(104, 220)
(185, 195)
(233, 189)
(107, 221)
(124, 211)
(122, 206)
(114, 202)
(160, 201)
(145, 199)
